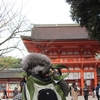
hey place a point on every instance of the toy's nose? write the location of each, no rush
(40, 71)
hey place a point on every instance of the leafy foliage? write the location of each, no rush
(10, 62)
(87, 14)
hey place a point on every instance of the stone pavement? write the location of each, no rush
(81, 98)
(69, 98)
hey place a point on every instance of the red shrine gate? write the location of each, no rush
(76, 52)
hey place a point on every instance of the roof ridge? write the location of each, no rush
(54, 25)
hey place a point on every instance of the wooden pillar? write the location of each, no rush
(95, 77)
(8, 87)
(82, 78)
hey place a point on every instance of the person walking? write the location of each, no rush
(86, 92)
(15, 92)
(0, 96)
(74, 92)
(22, 83)
(93, 91)
(97, 91)
(5, 93)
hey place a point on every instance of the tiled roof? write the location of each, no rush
(11, 73)
(59, 32)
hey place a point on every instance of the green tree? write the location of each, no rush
(87, 14)
(9, 62)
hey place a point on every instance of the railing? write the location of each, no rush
(75, 60)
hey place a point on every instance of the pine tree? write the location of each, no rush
(87, 14)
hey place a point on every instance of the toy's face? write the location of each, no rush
(39, 69)
(37, 64)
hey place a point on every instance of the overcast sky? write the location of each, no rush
(44, 12)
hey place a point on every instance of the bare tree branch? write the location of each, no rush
(12, 25)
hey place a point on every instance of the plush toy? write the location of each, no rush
(44, 81)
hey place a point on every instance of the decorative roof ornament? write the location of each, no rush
(97, 56)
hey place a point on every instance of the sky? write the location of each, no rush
(46, 11)
(43, 12)
(49, 12)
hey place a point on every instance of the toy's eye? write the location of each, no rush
(33, 65)
(41, 65)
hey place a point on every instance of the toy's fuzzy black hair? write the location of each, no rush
(34, 59)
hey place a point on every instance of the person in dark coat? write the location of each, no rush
(86, 92)
(97, 91)
(5, 93)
